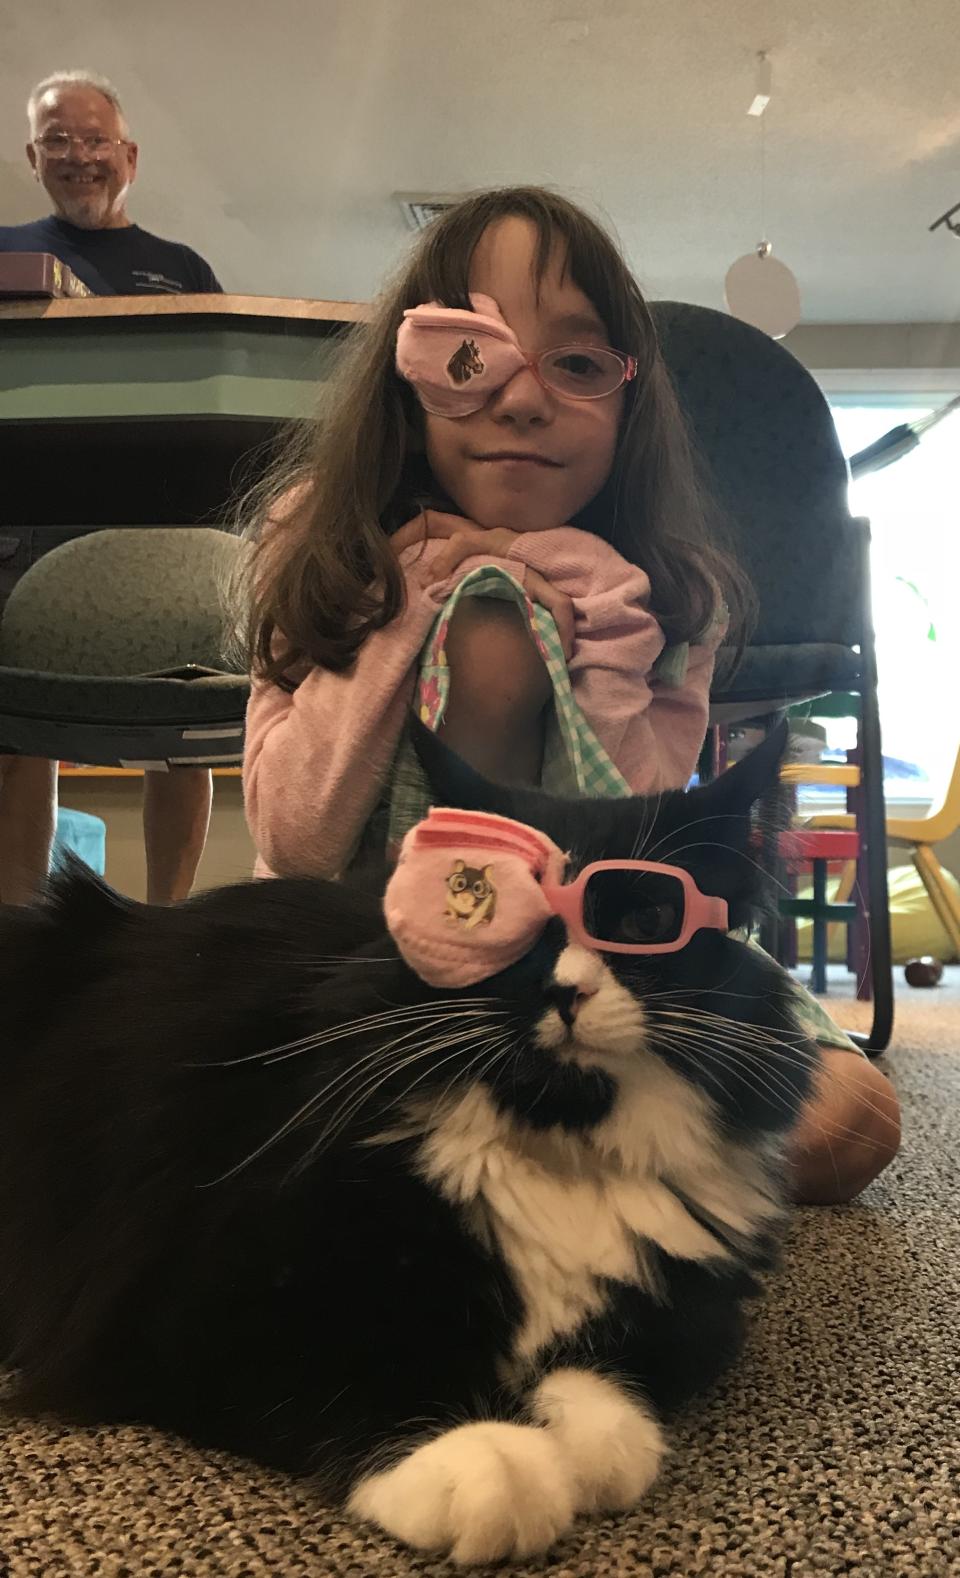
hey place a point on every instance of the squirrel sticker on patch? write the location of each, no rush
(466, 363)
(471, 896)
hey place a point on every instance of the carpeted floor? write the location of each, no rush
(834, 1448)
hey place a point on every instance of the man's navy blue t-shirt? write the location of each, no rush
(124, 262)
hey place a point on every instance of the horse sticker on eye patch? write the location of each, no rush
(457, 359)
(471, 896)
(466, 363)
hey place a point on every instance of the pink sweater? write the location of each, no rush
(316, 760)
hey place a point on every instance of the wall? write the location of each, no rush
(228, 856)
(851, 355)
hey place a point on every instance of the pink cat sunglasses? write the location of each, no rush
(657, 912)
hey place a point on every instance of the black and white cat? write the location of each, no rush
(457, 1254)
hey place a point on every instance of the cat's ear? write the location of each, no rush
(743, 804)
(741, 786)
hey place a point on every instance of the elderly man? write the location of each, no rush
(81, 152)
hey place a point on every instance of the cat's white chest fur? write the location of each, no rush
(569, 1213)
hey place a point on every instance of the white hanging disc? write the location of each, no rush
(763, 291)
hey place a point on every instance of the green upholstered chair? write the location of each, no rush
(111, 652)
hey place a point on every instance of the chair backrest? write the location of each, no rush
(771, 453)
(122, 601)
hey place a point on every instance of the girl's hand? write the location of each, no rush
(467, 541)
(464, 540)
(556, 603)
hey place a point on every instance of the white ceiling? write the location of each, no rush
(272, 142)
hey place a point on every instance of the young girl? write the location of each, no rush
(498, 455)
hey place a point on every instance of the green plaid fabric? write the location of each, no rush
(574, 760)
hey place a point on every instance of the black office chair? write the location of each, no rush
(770, 450)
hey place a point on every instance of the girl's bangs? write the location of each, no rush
(591, 260)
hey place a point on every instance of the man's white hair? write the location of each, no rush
(75, 79)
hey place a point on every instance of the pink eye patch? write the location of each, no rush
(465, 900)
(472, 893)
(456, 360)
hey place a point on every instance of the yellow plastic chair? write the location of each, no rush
(919, 834)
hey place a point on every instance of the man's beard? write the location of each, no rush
(88, 210)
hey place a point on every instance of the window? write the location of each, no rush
(914, 511)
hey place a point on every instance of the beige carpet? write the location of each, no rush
(832, 1450)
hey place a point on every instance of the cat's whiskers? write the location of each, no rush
(708, 1056)
(427, 1018)
(371, 1061)
(669, 856)
(749, 1068)
(356, 1100)
(448, 1007)
(833, 1130)
(320, 1038)
(679, 996)
(713, 1075)
(649, 819)
(743, 1043)
(772, 1054)
(492, 1050)
(369, 1066)
(737, 1058)
(313, 1041)
(681, 993)
(334, 961)
(769, 1053)
(757, 1035)
(754, 1041)
(378, 1076)
(692, 826)
(706, 843)
(663, 1006)
(360, 1067)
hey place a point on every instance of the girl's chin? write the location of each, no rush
(517, 514)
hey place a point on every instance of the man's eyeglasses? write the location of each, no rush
(57, 145)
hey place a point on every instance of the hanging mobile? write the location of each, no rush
(759, 288)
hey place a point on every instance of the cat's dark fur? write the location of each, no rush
(217, 1217)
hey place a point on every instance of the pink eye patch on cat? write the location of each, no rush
(472, 893)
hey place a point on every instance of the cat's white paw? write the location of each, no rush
(480, 1493)
(612, 1444)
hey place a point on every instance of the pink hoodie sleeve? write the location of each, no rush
(653, 732)
(680, 714)
(316, 759)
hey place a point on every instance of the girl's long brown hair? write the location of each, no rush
(323, 576)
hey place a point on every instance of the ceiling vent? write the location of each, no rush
(421, 208)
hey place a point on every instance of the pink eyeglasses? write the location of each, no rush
(657, 911)
(456, 360)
